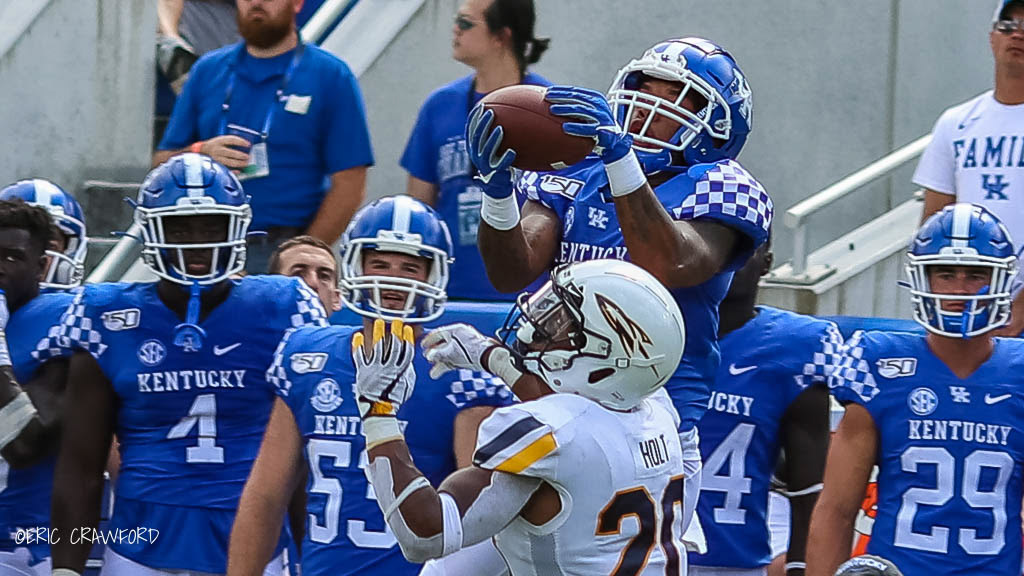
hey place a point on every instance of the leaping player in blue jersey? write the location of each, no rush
(939, 414)
(662, 190)
(30, 390)
(177, 369)
(770, 394)
(394, 267)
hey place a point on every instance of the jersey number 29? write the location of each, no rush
(655, 525)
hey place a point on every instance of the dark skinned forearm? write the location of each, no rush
(39, 439)
(675, 252)
(514, 258)
(422, 509)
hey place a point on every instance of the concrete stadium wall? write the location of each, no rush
(836, 84)
(76, 89)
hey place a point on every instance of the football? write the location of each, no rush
(534, 132)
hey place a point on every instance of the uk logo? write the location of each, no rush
(597, 218)
(327, 396)
(960, 394)
(994, 187)
(922, 401)
(152, 352)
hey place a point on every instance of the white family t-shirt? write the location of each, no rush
(977, 154)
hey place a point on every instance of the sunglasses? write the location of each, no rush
(1008, 26)
(463, 23)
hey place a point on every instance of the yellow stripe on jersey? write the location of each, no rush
(523, 459)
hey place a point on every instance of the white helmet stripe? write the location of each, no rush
(401, 216)
(194, 175)
(45, 191)
(961, 224)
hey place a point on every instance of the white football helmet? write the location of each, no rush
(604, 329)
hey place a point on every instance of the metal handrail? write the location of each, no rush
(325, 17)
(113, 266)
(796, 217)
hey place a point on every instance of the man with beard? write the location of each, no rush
(286, 116)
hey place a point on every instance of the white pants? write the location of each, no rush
(16, 564)
(778, 523)
(712, 571)
(480, 559)
(693, 534)
(116, 565)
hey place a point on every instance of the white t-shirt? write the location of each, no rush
(977, 154)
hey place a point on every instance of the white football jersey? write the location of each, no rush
(977, 155)
(619, 475)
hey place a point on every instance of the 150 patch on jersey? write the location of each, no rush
(306, 362)
(117, 320)
(896, 367)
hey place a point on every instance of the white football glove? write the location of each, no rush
(456, 346)
(4, 314)
(384, 380)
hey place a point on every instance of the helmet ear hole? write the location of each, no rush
(598, 375)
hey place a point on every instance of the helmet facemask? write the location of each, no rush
(983, 312)
(627, 99)
(65, 268)
(170, 260)
(364, 292)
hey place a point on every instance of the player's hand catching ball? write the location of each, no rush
(595, 120)
(482, 145)
(456, 346)
(385, 377)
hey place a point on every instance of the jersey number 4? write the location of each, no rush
(204, 413)
(655, 525)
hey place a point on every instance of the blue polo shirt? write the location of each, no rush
(436, 153)
(306, 144)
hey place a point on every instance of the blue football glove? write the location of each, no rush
(596, 117)
(483, 144)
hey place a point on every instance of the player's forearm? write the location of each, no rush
(829, 540)
(75, 505)
(23, 435)
(411, 506)
(255, 532)
(348, 188)
(509, 260)
(656, 244)
(801, 508)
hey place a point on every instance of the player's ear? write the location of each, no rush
(336, 305)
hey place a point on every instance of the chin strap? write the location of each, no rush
(188, 334)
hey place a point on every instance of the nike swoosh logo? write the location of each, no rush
(989, 399)
(737, 371)
(218, 351)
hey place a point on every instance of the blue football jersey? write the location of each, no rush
(315, 376)
(189, 421)
(950, 452)
(766, 364)
(25, 493)
(723, 192)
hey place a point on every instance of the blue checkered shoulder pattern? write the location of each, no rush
(729, 191)
(309, 310)
(854, 371)
(276, 375)
(826, 359)
(73, 332)
(468, 386)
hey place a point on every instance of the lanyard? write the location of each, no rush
(285, 80)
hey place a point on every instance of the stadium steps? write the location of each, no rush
(855, 275)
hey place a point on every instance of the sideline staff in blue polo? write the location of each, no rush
(495, 38)
(288, 117)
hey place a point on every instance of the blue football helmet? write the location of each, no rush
(717, 131)
(962, 235)
(192, 185)
(396, 224)
(66, 267)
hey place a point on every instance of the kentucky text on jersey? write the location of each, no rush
(990, 152)
(178, 380)
(959, 431)
(730, 403)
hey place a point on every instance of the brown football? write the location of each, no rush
(533, 131)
